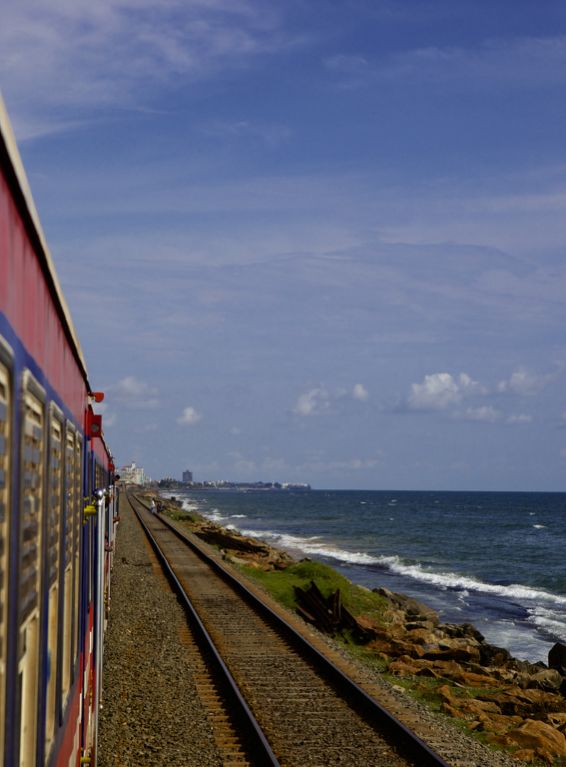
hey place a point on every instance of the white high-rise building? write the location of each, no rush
(133, 474)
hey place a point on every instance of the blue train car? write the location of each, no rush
(57, 501)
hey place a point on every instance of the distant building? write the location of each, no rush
(133, 474)
(187, 476)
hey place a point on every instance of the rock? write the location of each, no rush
(469, 679)
(548, 679)
(459, 653)
(421, 636)
(515, 701)
(219, 537)
(557, 657)
(497, 723)
(411, 607)
(403, 667)
(447, 668)
(461, 631)
(547, 743)
(490, 655)
(558, 721)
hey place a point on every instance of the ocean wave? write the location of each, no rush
(455, 581)
(549, 621)
(238, 516)
(416, 571)
(308, 546)
(214, 515)
(539, 527)
(189, 506)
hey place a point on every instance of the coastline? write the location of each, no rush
(509, 703)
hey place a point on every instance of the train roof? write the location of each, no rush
(10, 157)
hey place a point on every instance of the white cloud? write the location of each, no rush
(189, 417)
(320, 399)
(441, 391)
(84, 55)
(134, 394)
(520, 418)
(484, 413)
(522, 62)
(524, 383)
(360, 392)
(313, 402)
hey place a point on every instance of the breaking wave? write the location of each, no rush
(416, 571)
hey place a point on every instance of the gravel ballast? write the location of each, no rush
(151, 714)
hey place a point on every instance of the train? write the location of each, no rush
(58, 501)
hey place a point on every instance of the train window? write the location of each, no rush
(30, 545)
(77, 526)
(68, 560)
(53, 543)
(5, 469)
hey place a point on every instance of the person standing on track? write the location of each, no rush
(152, 506)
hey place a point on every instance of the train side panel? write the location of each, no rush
(55, 537)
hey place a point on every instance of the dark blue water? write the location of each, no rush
(493, 559)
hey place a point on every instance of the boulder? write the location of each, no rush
(461, 631)
(496, 723)
(547, 679)
(469, 679)
(558, 721)
(461, 653)
(557, 657)
(413, 609)
(491, 655)
(447, 668)
(403, 667)
(547, 743)
(421, 636)
(515, 701)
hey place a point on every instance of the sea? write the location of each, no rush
(496, 560)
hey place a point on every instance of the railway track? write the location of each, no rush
(274, 698)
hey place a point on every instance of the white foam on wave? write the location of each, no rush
(238, 516)
(539, 527)
(188, 505)
(214, 515)
(312, 546)
(550, 621)
(464, 582)
(441, 580)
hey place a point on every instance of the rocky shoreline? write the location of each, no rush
(511, 704)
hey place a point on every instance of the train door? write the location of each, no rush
(30, 546)
(5, 505)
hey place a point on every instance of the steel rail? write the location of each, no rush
(404, 739)
(255, 739)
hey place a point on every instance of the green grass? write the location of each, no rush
(280, 584)
(181, 516)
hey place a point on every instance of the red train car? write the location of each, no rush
(57, 501)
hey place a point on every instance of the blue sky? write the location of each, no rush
(308, 241)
